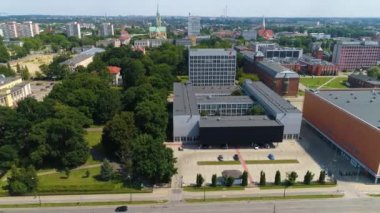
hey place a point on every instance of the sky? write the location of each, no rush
(235, 8)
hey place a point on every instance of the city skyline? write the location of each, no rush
(236, 8)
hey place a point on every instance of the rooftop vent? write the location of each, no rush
(347, 101)
(336, 98)
(218, 119)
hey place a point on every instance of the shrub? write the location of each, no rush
(262, 179)
(229, 181)
(292, 177)
(322, 177)
(199, 180)
(106, 171)
(308, 177)
(244, 178)
(213, 180)
(277, 178)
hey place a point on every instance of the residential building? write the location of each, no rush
(115, 72)
(25, 29)
(184, 42)
(194, 26)
(249, 35)
(113, 42)
(82, 59)
(10, 30)
(349, 120)
(318, 67)
(106, 30)
(356, 55)
(36, 29)
(212, 67)
(320, 36)
(73, 30)
(361, 80)
(148, 43)
(13, 90)
(124, 38)
(282, 52)
(1, 32)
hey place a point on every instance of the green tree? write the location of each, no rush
(199, 181)
(322, 177)
(229, 181)
(118, 136)
(213, 180)
(374, 72)
(277, 178)
(292, 177)
(107, 105)
(67, 172)
(106, 171)
(133, 74)
(8, 156)
(22, 180)
(151, 160)
(308, 178)
(25, 75)
(262, 178)
(244, 178)
(257, 109)
(7, 71)
(4, 54)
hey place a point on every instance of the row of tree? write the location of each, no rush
(228, 181)
(292, 178)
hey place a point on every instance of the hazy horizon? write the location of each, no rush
(211, 8)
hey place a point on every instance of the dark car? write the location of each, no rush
(236, 157)
(220, 158)
(121, 209)
(271, 157)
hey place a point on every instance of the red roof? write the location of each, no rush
(266, 34)
(114, 69)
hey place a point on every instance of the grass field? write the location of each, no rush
(298, 186)
(284, 161)
(82, 204)
(77, 182)
(212, 189)
(290, 197)
(183, 78)
(93, 139)
(338, 83)
(315, 82)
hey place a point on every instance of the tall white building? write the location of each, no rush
(25, 29)
(73, 29)
(194, 26)
(9, 30)
(106, 30)
(19, 30)
(212, 67)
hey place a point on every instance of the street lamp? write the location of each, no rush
(36, 193)
(204, 193)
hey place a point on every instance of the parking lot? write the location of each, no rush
(40, 89)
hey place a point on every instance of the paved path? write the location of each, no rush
(78, 168)
(244, 164)
(327, 82)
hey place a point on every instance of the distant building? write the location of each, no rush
(249, 35)
(113, 42)
(9, 30)
(149, 43)
(106, 30)
(349, 120)
(272, 50)
(82, 59)
(26, 30)
(125, 38)
(320, 36)
(194, 26)
(212, 67)
(158, 32)
(184, 42)
(13, 43)
(267, 34)
(117, 79)
(73, 30)
(318, 67)
(13, 90)
(360, 80)
(356, 55)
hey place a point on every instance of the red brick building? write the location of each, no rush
(318, 67)
(349, 119)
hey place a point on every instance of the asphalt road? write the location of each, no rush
(368, 205)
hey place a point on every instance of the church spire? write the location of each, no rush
(264, 22)
(158, 17)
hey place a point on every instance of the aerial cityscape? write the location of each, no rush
(203, 106)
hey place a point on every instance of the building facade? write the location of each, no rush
(106, 30)
(318, 67)
(73, 30)
(249, 35)
(212, 67)
(159, 31)
(194, 26)
(350, 55)
(359, 80)
(349, 119)
(13, 90)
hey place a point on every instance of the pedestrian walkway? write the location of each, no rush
(244, 164)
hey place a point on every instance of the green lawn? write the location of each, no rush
(211, 189)
(374, 195)
(298, 186)
(93, 139)
(338, 83)
(183, 78)
(116, 203)
(264, 198)
(57, 183)
(315, 82)
(284, 161)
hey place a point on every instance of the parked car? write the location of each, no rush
(220, 158)
(121, 209)
(236, 157)
(266, 146)
(271, 157)
(180, 148)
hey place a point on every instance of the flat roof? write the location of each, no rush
(184, 100)
(205, 90)
(224, 99)
(7, 80)
(271, 99)
(237, 121)
(212, 52)
(361, 103)
(276, 70)
(366, 78)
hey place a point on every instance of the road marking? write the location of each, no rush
(244, 164)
